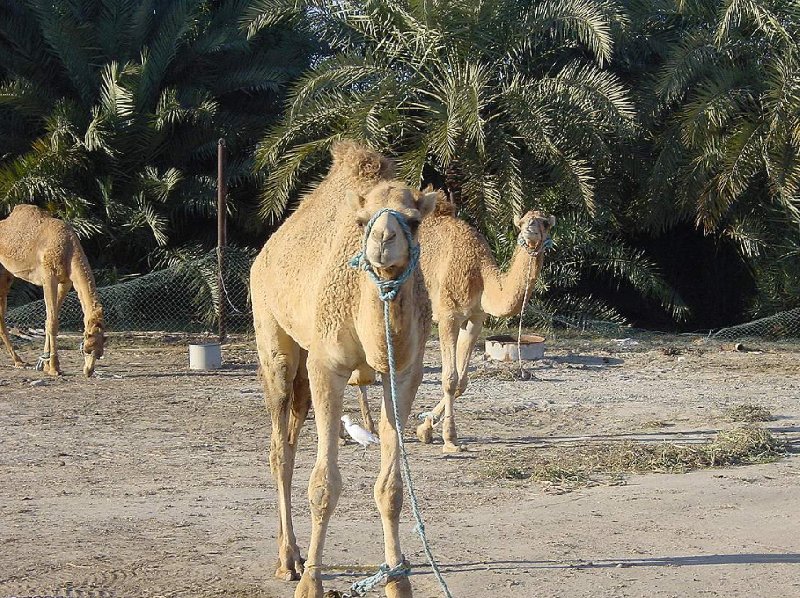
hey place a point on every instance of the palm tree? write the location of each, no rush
(110, 112)
(724, 111)
(499, 101)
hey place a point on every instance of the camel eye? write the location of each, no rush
(413, 224)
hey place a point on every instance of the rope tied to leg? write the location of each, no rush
(387, 293)
(384, 573)
(44, 358)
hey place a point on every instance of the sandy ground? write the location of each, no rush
(151, 480)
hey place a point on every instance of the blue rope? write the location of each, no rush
(361, 588)
(387, 293)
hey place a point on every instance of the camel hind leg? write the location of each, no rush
(287, 398)
(5, 286)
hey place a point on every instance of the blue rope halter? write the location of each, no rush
(387, 289)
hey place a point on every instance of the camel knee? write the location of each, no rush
(462, 385)
(277, 458)
(324, 489)
(450, 384)
(389, 495)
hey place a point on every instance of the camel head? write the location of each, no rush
(386, 245)
(534, 229)
(93, 341)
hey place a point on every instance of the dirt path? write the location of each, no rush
(151, 480)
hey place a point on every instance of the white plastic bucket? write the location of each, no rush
(205, 356)
(504, 347)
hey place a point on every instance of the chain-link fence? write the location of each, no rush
(781, 326)
(184, 297)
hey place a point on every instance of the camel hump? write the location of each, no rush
(444, 207)
(360, 161)
(28, 210)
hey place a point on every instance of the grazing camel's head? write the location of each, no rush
(534, 229)
(93, 342)
(387, 247)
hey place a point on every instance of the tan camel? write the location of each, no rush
(465, 285)
(46, 252)
(316, 320)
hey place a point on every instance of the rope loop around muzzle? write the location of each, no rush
(544, 246)
(387, 288)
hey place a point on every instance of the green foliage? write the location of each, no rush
(724, 113)
(123, 102)
(512, 96)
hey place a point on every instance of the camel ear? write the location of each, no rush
(427, 202)
(552, 221)
(518, 221)
(354, 200)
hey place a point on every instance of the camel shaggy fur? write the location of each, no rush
(316, 320)
(46, 252)
(465, 285)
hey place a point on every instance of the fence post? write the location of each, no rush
(222, 211)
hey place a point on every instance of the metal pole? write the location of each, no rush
(222, 211)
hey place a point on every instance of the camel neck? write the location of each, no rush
(404, 321)
(84, 284)
(503, 292)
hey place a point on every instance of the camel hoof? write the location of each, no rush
(425, 432)
(450, 447)
(398, 588)
(292, 572)
(309, 588)
(285, 574)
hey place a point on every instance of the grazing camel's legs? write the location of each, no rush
(325, 485)
(448, 340)
(389, 484)
(5, 285)
(50, 287)
(63, 289)
(280, 359)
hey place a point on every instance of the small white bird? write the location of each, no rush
(359, 434)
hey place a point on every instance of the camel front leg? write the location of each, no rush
(63, 290)
(5, 286)
(325, 485)
(49, 359)
(281, 360)
(448, 341)
(389, 484)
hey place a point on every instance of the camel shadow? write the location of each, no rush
(666, 561)
(422, 569)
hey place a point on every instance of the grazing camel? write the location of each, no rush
(46, 252)
(465, 285)
(317, 319)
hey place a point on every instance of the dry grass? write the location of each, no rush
(564, 469)
(748, 413)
